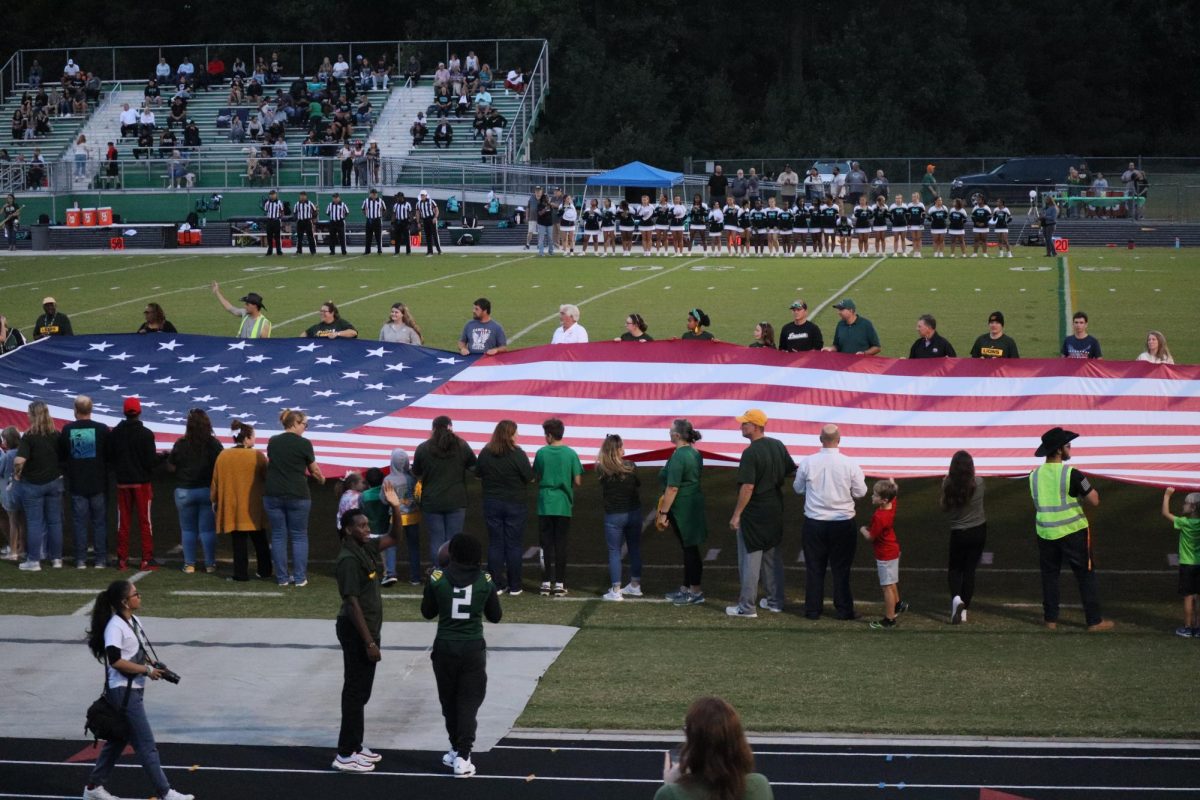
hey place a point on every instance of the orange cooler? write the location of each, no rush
(89, 217)
(74, 217)
(104, 216)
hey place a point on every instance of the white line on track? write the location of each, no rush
(840, 293)
(86, 609)
(100, 272)
(889, 754)
(435, 279)
(650, 277)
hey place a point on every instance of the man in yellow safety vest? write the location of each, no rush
(253, 325)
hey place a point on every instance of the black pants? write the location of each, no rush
(273, 237)
(828, 544)
(347, 170)
(1076, 550)
(400, 234)
(241, 558)
(966, 546)
(552, 536)
(304, 228)
(358, 678)
(693, 564)
(430, 232)
(460, 669)
(337, 235)
(1048, 235)
(374, 234)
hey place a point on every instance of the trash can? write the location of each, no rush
(40, 236)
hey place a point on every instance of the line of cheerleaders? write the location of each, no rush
(809, 229)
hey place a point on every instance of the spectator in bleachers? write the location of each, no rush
(177, 113)
(274, 67)
(129, 120)
(346, 159)
(61, 103)
(486, 81)
(480, 123)
(41, 125)
(41, 99)
(279, 148)
(35, 75)
(79, 106)
(191, 134)
(260, 70)
(254, 90)
(412, 70)
(266, 114)
(162, 70)
(183, 92)
(483, 98)
(360, 164)
(381, 72)
(374, 161)
(441, 78)
(364, 73)
(147, 120)
(340, 68)
(112, 165)
(91, 87)
(325, 70)
(20, 124)
(81, 153)
(144, 143)
(286, 106)
(488, 150)
(215, 70)
(362, 114)
(237, 92)
(443, 134)
(152, 95)
(515, 81)
(36, 173)
(254, 128)
(185, 71)
(456, 75)
(463, 105)
(419, 129)
(71, 70)
(442, 102)
(166, 143)
(471, 63)
(494, 123)
(177, 170)
(238, 70)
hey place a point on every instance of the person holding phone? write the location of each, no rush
(715, 762)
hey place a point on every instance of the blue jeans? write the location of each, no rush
(289, 523)
(442, 528)
(624, 526)
(545, 234)
(505, 522)
(93, 509)
(43, 518)
(196, 521)
(412, 537)
(140, 737)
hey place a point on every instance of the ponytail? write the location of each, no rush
(107, 603)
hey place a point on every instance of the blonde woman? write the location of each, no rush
(400, 328)
(619, 485)
(1156, 351)
(37, 472)
(290, 460)
(239, 475)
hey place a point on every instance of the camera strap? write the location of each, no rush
(143, 641)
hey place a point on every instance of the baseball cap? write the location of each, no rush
(996, 316)
(846, 303)
(755, 417)
(798, 304)
(46, 300)
(255, 298)
(133, 405)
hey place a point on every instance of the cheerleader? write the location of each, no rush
(898, 214)
(662, 224)
(697, 224)
(715, 220)
(829, 214)
(879, 225)
(863, 216)
(645, 224)
(958, 228)
(802, 226)
(1001, 216)
(677, 223)
(938, 217)
(745, 223)
(591, 227)
(772, 214)
(916, 223)
(608, 227)
(981, 217)
(843, 227)
(730, 213)
(787, 218)
(626, 224)
(566, 223)
(758, 220)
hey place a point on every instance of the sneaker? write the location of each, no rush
(390, 580)
(368, 755)
(692, 599)
(1185, 632)
(174, 795)
(901, 607)
(302, 584)
(544, 590)
(1101, 626)
(56, 563)
(632, 589)
(883, 624)
(957, 609)
(30, 566)
(738, 611)
(149, 565)
(98, 793)
(122, 564)
(463, 768)
(764, 603)
(211, 569)
(99, 564)
(352, 764)
(560, 590)
(188, 569)
(81, 564)
(964, 615)
(515, 592)
(614, 594)
(678, 593)
(449, 758)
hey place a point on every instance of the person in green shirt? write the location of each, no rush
(331, 325)
(442, 463)
(715, 762)
(358, 568)
(929, 186)
(854, 334)
(379, 514)
(558, 471)
(1188, 526)
(460, 596)
(504, 469)
(682, 508)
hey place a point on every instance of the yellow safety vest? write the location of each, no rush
(254, 329)
(1057, 513)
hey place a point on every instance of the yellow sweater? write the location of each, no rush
(237, 490)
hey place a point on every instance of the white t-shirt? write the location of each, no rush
(1144, 356)
(515, 78)
(341, 69)
(119, 633)
(829, 482)
(573, 335)
(129, 116)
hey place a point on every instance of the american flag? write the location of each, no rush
(1137, 422)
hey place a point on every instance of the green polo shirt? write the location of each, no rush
(855, 338)
(359, 569)
(556, 466)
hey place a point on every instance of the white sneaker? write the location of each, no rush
(958, 610)
(368, 755)
(174, 795)
(30, 566)
(614, 594)
(352, 764)
(964, 615)
(463, 768)
(98, 793)
(56, 563)
(764, 603)
(974, 255)
(632, 590)
(449, 758)
(738, 611)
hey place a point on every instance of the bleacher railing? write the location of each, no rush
(516, 146)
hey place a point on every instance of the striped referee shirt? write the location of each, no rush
(373, 208)
(274, 208)
(337, 211)
(427, 209)
(305, 210)
(402, 211)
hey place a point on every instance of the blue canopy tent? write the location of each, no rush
(634, 175)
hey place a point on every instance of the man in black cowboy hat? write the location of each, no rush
(254, 324)
(1062, 528)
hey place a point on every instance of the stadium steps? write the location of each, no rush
(102, 127)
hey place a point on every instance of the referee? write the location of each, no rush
(306, 213)
(372, 209)
(402, 212)
(273, 207)
(427, 210)
(337, 211)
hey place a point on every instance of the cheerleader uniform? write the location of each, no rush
(916, 217)
(937, 220)
(958, 222)
(829, 217)
(863, 215)
(591, 225)
(679, 213)
(608, 219)
(716, 221)
(899, 217)
(730, 213)
(981, 216)
(662, 217)
(879, 221)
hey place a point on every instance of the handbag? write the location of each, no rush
(105, 720)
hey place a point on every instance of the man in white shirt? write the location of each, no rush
(571, 331)
(163, 70)
(129, 121)
(829, 482)
(340, 68)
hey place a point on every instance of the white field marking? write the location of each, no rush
(712, 554)
(84, 610)
(101, 272)
(1039, 605)
(92, 592)
(840, 293)
(197, 593)
(894, 755)
(177, 291)
(606, 293)
(1068, 311)
(407, 286)
(860, 740)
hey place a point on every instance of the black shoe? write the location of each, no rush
(847, 617)
(812, 616)
(883, 624)
(901, 607)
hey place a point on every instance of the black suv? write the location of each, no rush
(1015, 178)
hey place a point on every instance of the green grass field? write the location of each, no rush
(637, 665)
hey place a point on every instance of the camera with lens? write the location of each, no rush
(165, 673)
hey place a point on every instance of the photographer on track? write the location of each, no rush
(117, 640)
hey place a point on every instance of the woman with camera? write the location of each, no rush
(117, 640)
(715, 762)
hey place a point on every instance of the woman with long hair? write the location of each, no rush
(1156, 351)
(239, 475)
(290, 460)
(962, 500)
(504, 469)
(192, 460)
(441, 462)
(622, 516)
(764, 335)
(400, 328)
(715, 762)
(116, 640)
(37, 472)
(10, 440)
(682, 507)
(635, 329)
(156, 320)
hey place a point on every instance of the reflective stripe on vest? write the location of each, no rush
(254, 329)
(1057, 513)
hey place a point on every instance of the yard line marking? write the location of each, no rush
(879, 754)
(856, 740)
(712, 554)
(605, 293)
(92, 592)
(1039, 605)
(409, 286)
(86, 609)
(840, 293)
(101, 272)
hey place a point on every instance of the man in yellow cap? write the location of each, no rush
(758, 516)
(1062, 528)
(51, 322)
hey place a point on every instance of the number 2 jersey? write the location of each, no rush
(460, 597)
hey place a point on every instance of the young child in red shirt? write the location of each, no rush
(882, 534)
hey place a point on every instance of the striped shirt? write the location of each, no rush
(373, 208)
(274, 208)
(305, 210)
(402, 211)
(337, 211)
(427, 209)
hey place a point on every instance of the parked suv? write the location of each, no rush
(1014, 179)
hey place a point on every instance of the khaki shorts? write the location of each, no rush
(889, 572)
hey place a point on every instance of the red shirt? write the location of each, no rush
(883, 533)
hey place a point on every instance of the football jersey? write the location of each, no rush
(460, 608)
